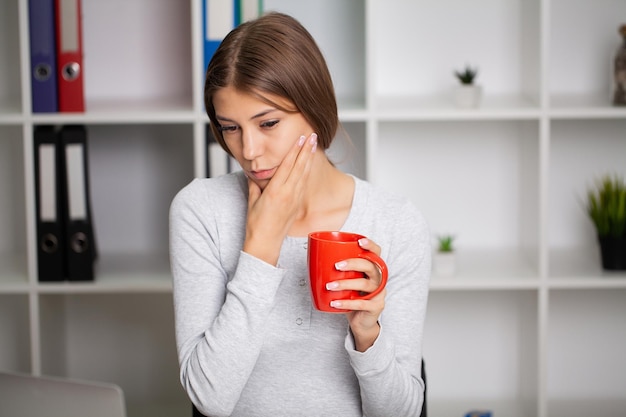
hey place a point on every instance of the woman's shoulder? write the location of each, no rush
(208, 191)
(376, 196)
(387, 205)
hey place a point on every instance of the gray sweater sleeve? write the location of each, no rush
(219, 322)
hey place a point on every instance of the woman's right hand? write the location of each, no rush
(272, 211)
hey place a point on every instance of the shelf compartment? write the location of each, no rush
(586, 343)
(349, 149)
(481, 352)
(485, 192)
(14, 328)
(135, 172)
(124, 64)
(581, 152)
(500, 38)
(10, 62)
(13, 232)
(338, 28)
(582, 42)
(124, 339)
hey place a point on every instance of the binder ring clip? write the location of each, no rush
(49, 243)
(42, 72)
(79, 242)
(71, 71)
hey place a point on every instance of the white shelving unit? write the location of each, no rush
(529, 326)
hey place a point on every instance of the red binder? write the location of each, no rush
(69, 46)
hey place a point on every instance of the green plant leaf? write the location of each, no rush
(606, 206)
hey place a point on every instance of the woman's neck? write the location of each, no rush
(328, 198)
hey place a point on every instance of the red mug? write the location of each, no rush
(325, 250)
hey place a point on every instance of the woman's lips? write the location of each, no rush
(263, 174)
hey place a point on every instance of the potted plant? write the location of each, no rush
(606, 206)
(467, 94)
(444, 262)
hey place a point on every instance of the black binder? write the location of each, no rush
(49, 205)
(80, 248)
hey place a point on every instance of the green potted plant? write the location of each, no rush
(444, 261)
(467, 94)
(606, 206)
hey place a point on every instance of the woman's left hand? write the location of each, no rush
(364, 314)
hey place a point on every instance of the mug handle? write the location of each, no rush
(378, 261)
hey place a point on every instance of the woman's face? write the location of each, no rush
(258, 134)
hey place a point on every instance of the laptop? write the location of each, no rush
(23, 395)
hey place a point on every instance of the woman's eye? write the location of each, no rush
(228, 128)
(270, 123)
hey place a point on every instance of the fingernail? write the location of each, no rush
(335, 304)
(314, 148)
(301, 141)
(363, 241)
(313, 139)
(332, 285)
(340, 265)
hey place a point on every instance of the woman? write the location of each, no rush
(249, 341)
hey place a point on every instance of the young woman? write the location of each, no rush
(250, 343)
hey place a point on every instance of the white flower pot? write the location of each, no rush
(468, 96)
(444, 264)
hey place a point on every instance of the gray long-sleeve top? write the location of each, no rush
(249, 341)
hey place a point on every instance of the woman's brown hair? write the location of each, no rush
(275, 54)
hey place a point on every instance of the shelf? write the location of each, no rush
(156, 111)
(584, 106)
(442, 107)
(489, 270)
(499, 407)
(120, 274)
(585, 407)
(582, 269)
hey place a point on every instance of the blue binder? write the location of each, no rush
(43, 56)
(218, 18)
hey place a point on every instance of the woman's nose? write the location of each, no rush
(252, 145)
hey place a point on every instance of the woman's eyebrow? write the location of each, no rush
(256, 116)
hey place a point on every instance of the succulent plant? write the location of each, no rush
(467, 76)
(445, 243)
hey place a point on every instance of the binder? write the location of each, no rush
(217, 160)
(80, 245)
(218, 18)
(69, 46)
(249, 9)
(43, 63)
(49, 208)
